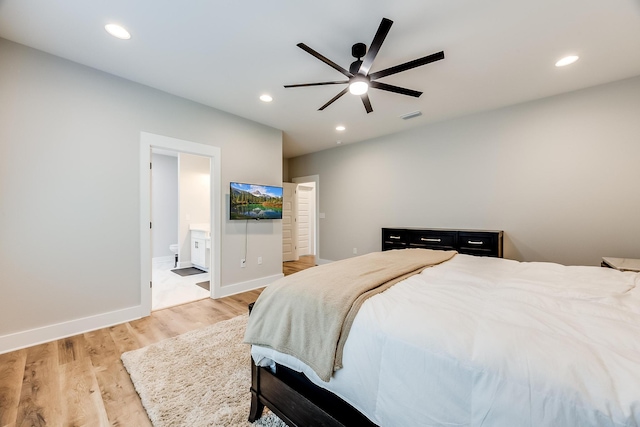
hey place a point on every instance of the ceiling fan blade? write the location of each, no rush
(366, 102)
(332, 100)
(378, 39)
(324, 59)
(396, 89)
(408, 65)
(318, 84)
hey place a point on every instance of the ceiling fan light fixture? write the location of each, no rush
(359, 76)
(358, 87)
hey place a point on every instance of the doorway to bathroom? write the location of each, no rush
(180, 243)
(180, 235)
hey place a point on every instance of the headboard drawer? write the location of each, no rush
(478, 243)
(433, 239)
(394, 239)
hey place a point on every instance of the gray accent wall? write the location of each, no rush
(70, 190)
(560, 176)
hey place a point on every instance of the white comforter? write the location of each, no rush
(497, 343)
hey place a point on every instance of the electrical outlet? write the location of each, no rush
(355, 251)
(259, 260)
(243, 263)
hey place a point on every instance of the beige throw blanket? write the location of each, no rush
(308, 314)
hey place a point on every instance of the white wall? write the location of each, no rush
(559, 175)
(164, 204)
(70, 197)
(195, 204)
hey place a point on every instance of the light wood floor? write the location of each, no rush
(305, 261)
(80, 381)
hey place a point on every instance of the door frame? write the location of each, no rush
(147, 142)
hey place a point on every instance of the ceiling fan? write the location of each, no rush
(359, 78)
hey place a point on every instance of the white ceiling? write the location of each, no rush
(226, 53)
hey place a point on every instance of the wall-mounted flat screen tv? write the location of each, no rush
(254, 201)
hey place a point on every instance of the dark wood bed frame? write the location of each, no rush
(297, 401)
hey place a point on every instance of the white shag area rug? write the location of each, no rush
(200, 378)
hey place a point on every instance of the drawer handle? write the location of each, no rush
(430, 240)
(394, 237)
(473, 242)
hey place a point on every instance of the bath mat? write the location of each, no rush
(204, 285)
(188, 271)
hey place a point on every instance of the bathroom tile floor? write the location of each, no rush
(170, 289)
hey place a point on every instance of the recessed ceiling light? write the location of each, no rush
(117, 31)
(567, 60)
(340, 128)
(265, 98)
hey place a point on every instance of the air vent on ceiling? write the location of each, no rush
(411, 115)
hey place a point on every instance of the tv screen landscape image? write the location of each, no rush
(253, 201)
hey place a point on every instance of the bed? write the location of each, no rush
(474, 341)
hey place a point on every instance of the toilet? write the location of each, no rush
(174, 249)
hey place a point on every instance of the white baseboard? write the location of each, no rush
(320, 261)
(31, 337)
(250, 285)
(57, 331)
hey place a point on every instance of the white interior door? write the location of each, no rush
(314, 236)
(289, 222)
(306, 199)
